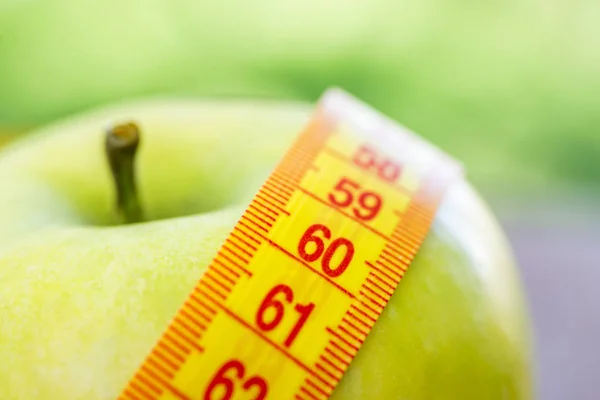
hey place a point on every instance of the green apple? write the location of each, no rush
(83, 299)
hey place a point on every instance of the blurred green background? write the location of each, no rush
(511, 87)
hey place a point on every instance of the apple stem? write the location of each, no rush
(121, 145)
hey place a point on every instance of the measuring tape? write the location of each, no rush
(295, 289)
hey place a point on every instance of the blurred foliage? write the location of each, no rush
(511, 88)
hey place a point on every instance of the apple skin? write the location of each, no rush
(83, 301)
(5, 139)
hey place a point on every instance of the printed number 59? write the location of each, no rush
(347, 192)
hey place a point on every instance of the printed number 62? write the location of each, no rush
(223, 386)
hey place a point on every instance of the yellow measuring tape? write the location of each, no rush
(295, 289)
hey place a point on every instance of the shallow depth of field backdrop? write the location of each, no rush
(511, 88)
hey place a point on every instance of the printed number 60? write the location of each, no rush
(326, 251)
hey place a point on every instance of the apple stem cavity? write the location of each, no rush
(121, 145)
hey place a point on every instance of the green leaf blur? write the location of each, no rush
(511, 88)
